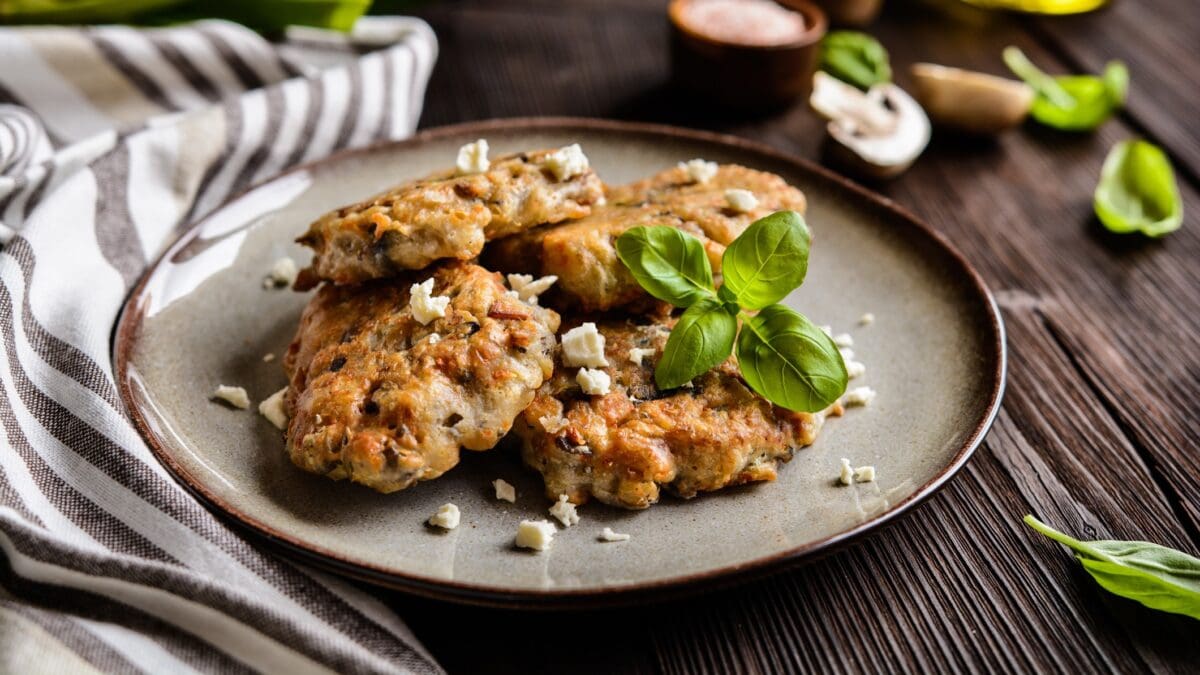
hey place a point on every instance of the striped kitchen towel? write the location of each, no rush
(111, 140)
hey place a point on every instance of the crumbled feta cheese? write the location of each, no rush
(688, 385)
(447, 517)
(584, 346)
(636, 354)
(607, 534)
(535, 534)
(473, 157)
(741, 201)
(855, 369)
(859, 396)
(828, 330)
(553, 423)
(425, 305)
(565, 511)
(433, 338)
(847, 353)
(866, 319)
(846, 476)
(567, 162)
(699, 170)
(273, 409)
(283, 273)
(505, 491)
(267, 358)
(527, 288)
(234, 396)
(843, 340)
(594, 382)
(864, 474)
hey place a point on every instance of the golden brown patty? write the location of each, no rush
(444, 216)
(623, 447)
(376, 398)
(583, 255)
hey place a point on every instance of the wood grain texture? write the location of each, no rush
(1099, 432)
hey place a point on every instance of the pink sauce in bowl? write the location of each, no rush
(754, 23)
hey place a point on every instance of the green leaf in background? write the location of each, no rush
(856, 58)
(768, 260)
(1137, 191)
(701, 340)
(1158, 577)
(1071, 102)
(671, 265)
(267, 16)
(789, 361)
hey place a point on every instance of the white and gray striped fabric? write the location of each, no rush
(111, 140)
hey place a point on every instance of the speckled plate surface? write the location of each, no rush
(935, 355)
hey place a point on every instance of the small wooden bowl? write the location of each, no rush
(746, 76)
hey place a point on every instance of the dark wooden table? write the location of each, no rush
(1099, 434)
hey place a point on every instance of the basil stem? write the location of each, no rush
(1071, 102)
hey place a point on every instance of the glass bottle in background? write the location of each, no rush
(1041, 6)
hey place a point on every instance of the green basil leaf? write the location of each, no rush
(789, 361)
(1156, 576)
(701, 340)
(768, 261)
(671, 265)
(856, 58)
(1137, 191)
(1071, 102)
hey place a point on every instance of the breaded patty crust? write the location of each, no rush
(380, 399)
(622, 448)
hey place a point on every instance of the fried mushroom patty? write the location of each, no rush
(623, 447)
(382, 400)
(443, 216)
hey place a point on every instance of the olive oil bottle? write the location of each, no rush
(1041, 6)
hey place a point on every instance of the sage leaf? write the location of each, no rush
(1137, 191)
(768, 261)
(669, 264)
(1071, 102)
(701, 340)
(1156, 576)
(855, 58)
(790, 361)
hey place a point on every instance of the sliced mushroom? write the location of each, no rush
(971, 101)
(880, 132)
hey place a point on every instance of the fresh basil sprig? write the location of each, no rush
(1071, 102)
(1137, 191)
(1156, 576)
(782, 355)
(855, 58)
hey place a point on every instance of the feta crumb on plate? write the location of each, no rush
(607, 534)
(447, 517)
(553, 423)
(826, 329)
(849, 475)
(594, 382)
(567, 162)
(527, 288)
(473, 157)
(636, 354)
(272, 409)
(846, 475)
(234, 396)
(864, 474)
(505, 491)
(843, 340)
(267, 358)
(535, 534)
(859, 396)
(565, 511)
(583, 346)
(855, 368)
(699, 170)
(866, 319)
(741, 201)
(425, 305)
(283, 274)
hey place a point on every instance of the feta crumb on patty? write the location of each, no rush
(283, 274)
(473, 157)
(527, 289)
(505, 491)
(567, 162)
(864, 474)
(535, 534)
(565, 511)
(699, 170)
(859, 396)
(425, 305)
(846, 475)
(234, 396)
(741, 201)
(594, 382)
(553, 423)
(447, 517)
(583, 346)
(272, 409)
(434, 338)
(636, 354)
(607, 534)
(866, 319)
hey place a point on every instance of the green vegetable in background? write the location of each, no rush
(1137, 191)
(262, 15)
(1071, 102)
(856, 58)
(782, 355)
(1156, 576)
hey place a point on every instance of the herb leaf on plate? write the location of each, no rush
(1158, 577)
(1071, 102)
(701, 340)
(768, 260)
(790, 361)
(1137, 191)
(855, 58)
(669, 264)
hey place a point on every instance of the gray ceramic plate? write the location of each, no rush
(935, 355)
